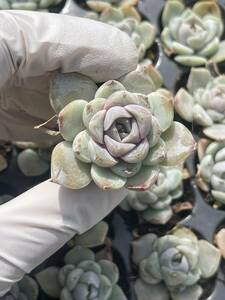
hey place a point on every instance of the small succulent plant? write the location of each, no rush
(127, 19)
(193, 34)
(100, 5)
(27, 4)
(204, 102)
(154, 204)
(82, 278)
(25, 289)
(32, 162)
(170, 267)
(118, 139)
(211, 169)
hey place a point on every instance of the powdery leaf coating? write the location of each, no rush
(82, 277)
(119, 139)
(204, 102)
(193, 34)
(172, 266)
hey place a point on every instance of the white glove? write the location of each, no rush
(37, 223)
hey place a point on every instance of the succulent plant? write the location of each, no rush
(203, 102)
(170, 267)
(193, 34)
(127, 19)
(118, 139)
(100, 5)
(25, 289)
(27, 4)
(211, 169)
(33, 162)
(154, 204)
(82, 278)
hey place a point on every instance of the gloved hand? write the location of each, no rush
(32, 45)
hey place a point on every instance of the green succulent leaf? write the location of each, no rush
(209, 259)
(179, 144)
(71, 119)
(105, 179)
(150, 291)
(67, 170)
(189, 293)
(65, 88)
(48, 280)
(29, 287)
(93, 237)
(78, 254)
(143, 247)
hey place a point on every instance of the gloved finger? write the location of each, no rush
(37, 223)
(33, 43)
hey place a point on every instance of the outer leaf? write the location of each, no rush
(65, 88)
(108, 88)
(209, 259)
(71, 119)
(145, 80)
(143, 247)
(105, 179)
(29, 287)
(198, 78)
(93, 237)
(48, 280)
(179, 144)
(31, 164)
(220, 55)
(67, 170)
(144, 179)
(190, 61)
(150, 292)
(189, 293)
(162, 108)
(215, 132)
(78, 254)
(158, 216)
(171, 10)
(110, 270)
(117, 294)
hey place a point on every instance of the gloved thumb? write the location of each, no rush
(33, 44)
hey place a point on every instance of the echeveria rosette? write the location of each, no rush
(193, 35)
(170, 267)
(25, 289)
(154, 205)
(27, 4)
(100, 5)
(211, 169)
(82, 278)
(127, 19)
(204, 102)
(119, 139)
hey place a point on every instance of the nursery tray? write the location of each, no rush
(204, 220)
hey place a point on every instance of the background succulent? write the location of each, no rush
(193, 34)
(25, 289)
(32, 162)
(27, 4)
(154, 204)
(82, 278)
(171, 266)
(211, 169)
(100, 5)
(127, 19)
(204, 102)
(118, 139)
